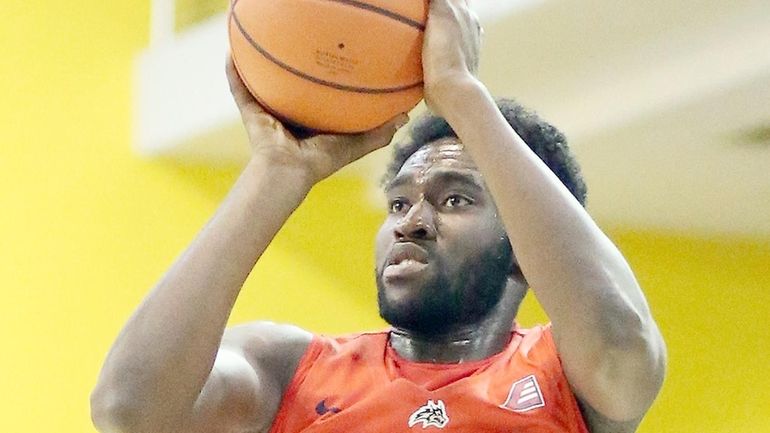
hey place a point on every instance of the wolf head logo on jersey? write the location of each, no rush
(432, 414)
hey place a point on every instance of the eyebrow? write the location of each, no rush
(444, 176)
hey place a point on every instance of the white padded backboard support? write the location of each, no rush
(183, 108)
(183, 105)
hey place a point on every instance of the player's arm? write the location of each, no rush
(162, 358)
(254, 365)
(165, 355)
(611, 349)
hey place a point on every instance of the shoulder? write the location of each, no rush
(265, 334)
(272, 347)
(540, 339)
(254, 363)
(326, 355)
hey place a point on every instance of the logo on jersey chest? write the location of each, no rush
(431, 414)
(524, 395)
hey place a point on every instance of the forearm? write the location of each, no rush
(163, 355)
(585, 285)
(563, 254)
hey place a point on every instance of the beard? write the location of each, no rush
(453, 296)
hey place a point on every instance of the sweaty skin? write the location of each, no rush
(445, 273)
(174, 367)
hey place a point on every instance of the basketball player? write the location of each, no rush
(474, 220)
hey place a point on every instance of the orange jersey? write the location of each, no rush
(359, 384)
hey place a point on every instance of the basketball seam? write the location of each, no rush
(311, 78)
(383, 12)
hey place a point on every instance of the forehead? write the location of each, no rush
(447, 154)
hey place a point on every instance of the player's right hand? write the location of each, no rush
(317, 156)
(451, 51)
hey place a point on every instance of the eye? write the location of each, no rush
(457, 200)
(397, 205)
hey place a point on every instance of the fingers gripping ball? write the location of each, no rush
(340, 66)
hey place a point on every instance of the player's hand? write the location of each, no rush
(317, 156)
(451, 48)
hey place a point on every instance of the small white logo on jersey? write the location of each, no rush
(432, 414)
(524, 395)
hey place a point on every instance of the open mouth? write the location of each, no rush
(405, 259)
(403, 269)
(403, 251)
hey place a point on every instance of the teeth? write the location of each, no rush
(403, 268)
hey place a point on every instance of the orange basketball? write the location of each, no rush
(330, 65)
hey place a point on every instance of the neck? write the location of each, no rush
(464, 343)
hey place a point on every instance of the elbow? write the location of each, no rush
(115, 411)
(111, 413)
(628, 359)
(640, 357)
(631, 373)
(622, 322)
(635, 344)
(619, 366)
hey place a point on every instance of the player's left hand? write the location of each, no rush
(316, 156)
(451, 47)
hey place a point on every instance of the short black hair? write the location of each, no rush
(544, 139)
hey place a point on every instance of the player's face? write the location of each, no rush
(442, 254)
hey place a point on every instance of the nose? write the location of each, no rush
(417, 224)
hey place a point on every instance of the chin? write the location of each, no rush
(426, 324)
(421, 314)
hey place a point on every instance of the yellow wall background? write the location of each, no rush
(87, 227)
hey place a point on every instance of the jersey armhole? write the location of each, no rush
(312, 352)
(551, 344)
(549, 341)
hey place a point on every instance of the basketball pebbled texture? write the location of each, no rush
(330, 65)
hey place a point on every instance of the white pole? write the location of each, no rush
(495, 10)
(161, 21)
